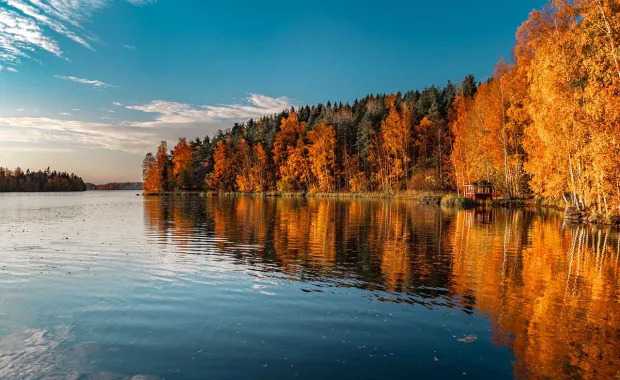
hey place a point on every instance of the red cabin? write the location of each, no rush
(479, 191)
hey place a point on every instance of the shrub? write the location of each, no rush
(452, 200)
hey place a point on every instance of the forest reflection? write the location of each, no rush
(551, 291)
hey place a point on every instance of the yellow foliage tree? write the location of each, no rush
(223, 177)
(322, 157)
(390, 148)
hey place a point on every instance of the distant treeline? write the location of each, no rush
(115, 186)
(40, 181)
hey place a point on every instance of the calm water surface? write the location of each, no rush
(106, 285)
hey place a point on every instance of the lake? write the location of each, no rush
(106, 285)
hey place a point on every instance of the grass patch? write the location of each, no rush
(172, 193)
(453, 201)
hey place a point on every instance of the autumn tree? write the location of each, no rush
(552, 116)
(157, 171)
(294, 172)
(151, 184)
(322, 157)
(290, 156)
(258, 174)
(392, 146)
(290, 132)
(250, 163)
(223, 177)
(460, 129)
(183, 161)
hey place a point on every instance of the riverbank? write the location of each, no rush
(446, 199)
(443, 199)
(419, 196)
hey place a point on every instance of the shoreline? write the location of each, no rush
(438, 198)
(421, 196)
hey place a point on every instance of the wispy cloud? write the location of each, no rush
(255, 106)
(64, 113)
(129, 47)
(169, 120)
(34, 148)
(117, 104)
(41, 18)
(94, 83)
(19, 35)
(140, 3)
(30, 25)
(11, 69)
(76, 133)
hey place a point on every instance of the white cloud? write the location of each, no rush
(11, 69)
(94, 83)
(76, 133)
(75, 109)
(19, 35)
(169, 121)
(30, 25)
(45, 20)
(129, 47)
(111, 111)
(64, 113)
(255, 106)
(117, 104)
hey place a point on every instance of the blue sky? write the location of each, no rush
(90, 86)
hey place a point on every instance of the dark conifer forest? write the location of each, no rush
(40, 181)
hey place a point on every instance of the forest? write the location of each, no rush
(379, 143)
(545, 125)
(40, 181)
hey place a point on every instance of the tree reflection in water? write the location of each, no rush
(550, 290)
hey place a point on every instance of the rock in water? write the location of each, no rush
(468, 339)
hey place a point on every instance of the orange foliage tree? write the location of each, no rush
(183, 161)
(251, 163)
(390, 153)
(290, 156)
(554, 115)
(223, 177)
(322, 157)
(157, 171)
(149, 178)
